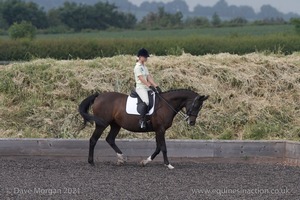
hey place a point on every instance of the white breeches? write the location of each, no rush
(143, 93)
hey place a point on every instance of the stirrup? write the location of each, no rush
(142, 124)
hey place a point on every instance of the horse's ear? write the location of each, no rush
(203, 97)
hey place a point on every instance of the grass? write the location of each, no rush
(252, 96)
(174, 33)
(90, 45)
(145, 34)
(89, 48)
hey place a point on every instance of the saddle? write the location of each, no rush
(134, 101)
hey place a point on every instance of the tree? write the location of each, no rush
(22, 30)
(99, 16)
(17, 11)
(296, 22)
(128, 21)
(216, 20)
(197, 22)
(238, 21)
(162, 19)
(53, 17)
(3, 23)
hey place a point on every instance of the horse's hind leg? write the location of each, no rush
(93, 141)
(111, 137)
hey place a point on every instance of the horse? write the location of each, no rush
(109, 110)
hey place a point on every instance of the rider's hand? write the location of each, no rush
(158, 89)
(152, 88)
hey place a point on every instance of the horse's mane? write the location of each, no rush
(180, 90)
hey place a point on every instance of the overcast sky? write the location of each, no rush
(284, 6)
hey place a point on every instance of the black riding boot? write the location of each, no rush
(143, 121)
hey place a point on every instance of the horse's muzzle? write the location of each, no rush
(191, 123)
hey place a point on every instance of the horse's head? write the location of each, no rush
(193, 107)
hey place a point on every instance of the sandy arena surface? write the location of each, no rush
(52, 178)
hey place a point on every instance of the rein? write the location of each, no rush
(183, 115)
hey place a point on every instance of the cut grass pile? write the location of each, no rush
(253, 96)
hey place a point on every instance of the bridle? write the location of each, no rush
(184, 116)
(192, 110)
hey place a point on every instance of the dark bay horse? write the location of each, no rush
(109, 110)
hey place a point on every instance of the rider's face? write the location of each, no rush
(143, 59)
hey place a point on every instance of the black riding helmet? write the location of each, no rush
(143, 52)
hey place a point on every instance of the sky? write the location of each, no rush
(284, 6)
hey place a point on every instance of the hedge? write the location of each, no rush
(196, 45)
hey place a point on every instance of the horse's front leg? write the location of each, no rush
(160, 146)
(164, 151)
(150, 158)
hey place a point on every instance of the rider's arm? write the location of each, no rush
(151, 81)
(142, 79)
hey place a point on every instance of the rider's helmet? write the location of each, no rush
(143, 52)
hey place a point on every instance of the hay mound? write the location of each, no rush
(254, 96)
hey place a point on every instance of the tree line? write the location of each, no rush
(225, 10)
(102, 16)
(71, 15)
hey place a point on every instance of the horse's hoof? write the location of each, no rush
(121, 160)
(120, 163)
(91, 163)
(170, 166)
(143, 163)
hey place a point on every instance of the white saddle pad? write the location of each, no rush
(131, 106)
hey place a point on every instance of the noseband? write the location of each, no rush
(193, 110)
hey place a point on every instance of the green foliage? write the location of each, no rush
(216, 20)
(238, 21)
(17, 11)
(3, 23)
(99, 16)
(248, 30)
(296, 23)
(161, 19)
(194, 22)
(22, 30)
(262, 130)
(270, 21)
(227, 135)
(75, 16)
(88, 48)
(54, 18)
(3, 32)
(106, 16)
(56, 30)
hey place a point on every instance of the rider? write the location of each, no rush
(144, 83)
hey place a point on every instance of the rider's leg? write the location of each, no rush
(143, 121)
(143, 94)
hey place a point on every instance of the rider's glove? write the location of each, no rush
(158, 89)
(153, 88)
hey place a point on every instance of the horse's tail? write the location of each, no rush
(84, 111)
